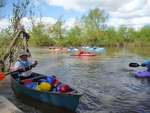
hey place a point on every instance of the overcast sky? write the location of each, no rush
(132, 13)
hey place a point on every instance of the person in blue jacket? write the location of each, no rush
(146, 64)
(23, 62)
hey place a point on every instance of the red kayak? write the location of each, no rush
(82, 53)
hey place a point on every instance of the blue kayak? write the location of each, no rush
(94, 49)
(72, 49)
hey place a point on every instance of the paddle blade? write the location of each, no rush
(2, 75)
(134, 65)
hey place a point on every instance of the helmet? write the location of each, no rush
(23, 53)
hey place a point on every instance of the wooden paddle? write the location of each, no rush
(2, 74)
(136, 65)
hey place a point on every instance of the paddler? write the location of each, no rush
(23, 62)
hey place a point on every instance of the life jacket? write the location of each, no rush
(23, 65)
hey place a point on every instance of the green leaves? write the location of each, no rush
(39, 37)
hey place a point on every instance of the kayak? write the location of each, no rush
(142, 74)
(87, 54)
(57, 49)
(68, 101)
(84, 54)
(94, 49)
(72, 49)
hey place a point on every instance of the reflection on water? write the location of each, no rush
(144, 52)
(105, 80)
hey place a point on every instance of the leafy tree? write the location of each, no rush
(20, 9)
(56, 30)
(93, 25)
(73, 37)
(145, 32)
(39, 37)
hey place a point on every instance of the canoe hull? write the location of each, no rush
(64, 101)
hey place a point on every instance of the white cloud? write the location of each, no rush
(82, 5)
(136, 23)
(121, 11)
(132, 6)
(136, 8)
(134, 13)
(4, 23)
(47, 21)
(26, 22)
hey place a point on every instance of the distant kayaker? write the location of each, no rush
(146, 64)
(23, 62)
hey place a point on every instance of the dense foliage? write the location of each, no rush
(90, 30)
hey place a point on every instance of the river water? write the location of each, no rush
(105, 80)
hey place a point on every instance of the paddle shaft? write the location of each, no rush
(20, 70)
